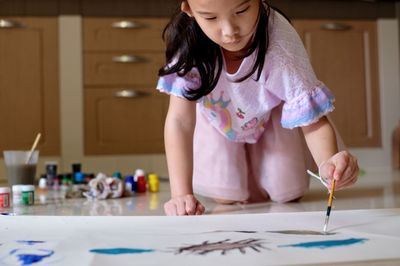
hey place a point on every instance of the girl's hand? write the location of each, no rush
(183, 205)
(342, 167)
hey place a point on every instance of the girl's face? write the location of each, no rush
(229, 23)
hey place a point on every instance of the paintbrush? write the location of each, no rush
(35, 143)
(328, 210)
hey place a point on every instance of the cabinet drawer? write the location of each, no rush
(121, 125)
(111, 69)
(121, 34)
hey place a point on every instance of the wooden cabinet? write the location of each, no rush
(124, 114)
(29, 94)
(344, 56)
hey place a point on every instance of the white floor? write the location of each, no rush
(374, 190)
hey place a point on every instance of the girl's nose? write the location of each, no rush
(229, 29)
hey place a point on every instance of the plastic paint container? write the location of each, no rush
(154, 183)
(28, 194)
(17, 195)
(141, 184)
(4, 197)
(129, 185)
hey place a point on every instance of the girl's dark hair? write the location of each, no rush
(188, 47)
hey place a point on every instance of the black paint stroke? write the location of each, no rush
(223, 246)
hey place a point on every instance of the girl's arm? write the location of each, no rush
(178, 134)
(321, 140)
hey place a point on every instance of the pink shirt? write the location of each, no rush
(239, 110)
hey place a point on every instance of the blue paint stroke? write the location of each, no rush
(30, 242)
(328, 243)
(30, 258)
(119, 251)
(7, 213)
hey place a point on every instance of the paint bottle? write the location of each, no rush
(141, 184)
(56, 183)
(129, 186)
(28, 195)
(79, 178)
(4, 197)
(17, 195)
(154, 183)
(76, 167)
(42, 186)
(42, 190)
(117, 174)
(51, 172)
(138, 172)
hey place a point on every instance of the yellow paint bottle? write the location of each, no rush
(154, 183)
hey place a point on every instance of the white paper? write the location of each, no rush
(245, 239)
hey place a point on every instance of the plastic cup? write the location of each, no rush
(19, 172)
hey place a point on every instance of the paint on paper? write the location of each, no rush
(119, 251)
(30, 242)
(223, 246)
(328, 243)
(28, 256)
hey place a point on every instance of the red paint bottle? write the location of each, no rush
(141, 184)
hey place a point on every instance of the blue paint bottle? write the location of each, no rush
(79, 178)
(129, 183)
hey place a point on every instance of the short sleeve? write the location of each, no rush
(307, 108)
(291, 78)
(174, 84)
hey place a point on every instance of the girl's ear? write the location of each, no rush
(185, 8)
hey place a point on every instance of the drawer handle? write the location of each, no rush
(128, 59)
(128, 93)
(126, 24)
(9, 24)
(335, 26)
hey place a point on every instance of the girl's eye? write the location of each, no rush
(212, 18)
(242, 11)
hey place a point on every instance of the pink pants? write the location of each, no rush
(274, 167)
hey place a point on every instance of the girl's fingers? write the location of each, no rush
(170, 209)
(326, 170)
(353, 176)
(341, 165)
(184, 205)
(200, 209)
(190, 206)
(350, 175)
(181, 207)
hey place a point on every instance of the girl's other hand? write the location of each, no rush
(343, 167)
(183, 205)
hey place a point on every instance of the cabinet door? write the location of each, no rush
(344, 57)
(124, 121)
(29, 93)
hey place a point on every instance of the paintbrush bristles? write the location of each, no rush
(326, 224)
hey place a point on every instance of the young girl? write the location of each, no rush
(241, 86)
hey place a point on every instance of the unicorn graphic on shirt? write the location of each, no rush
(218, 109)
